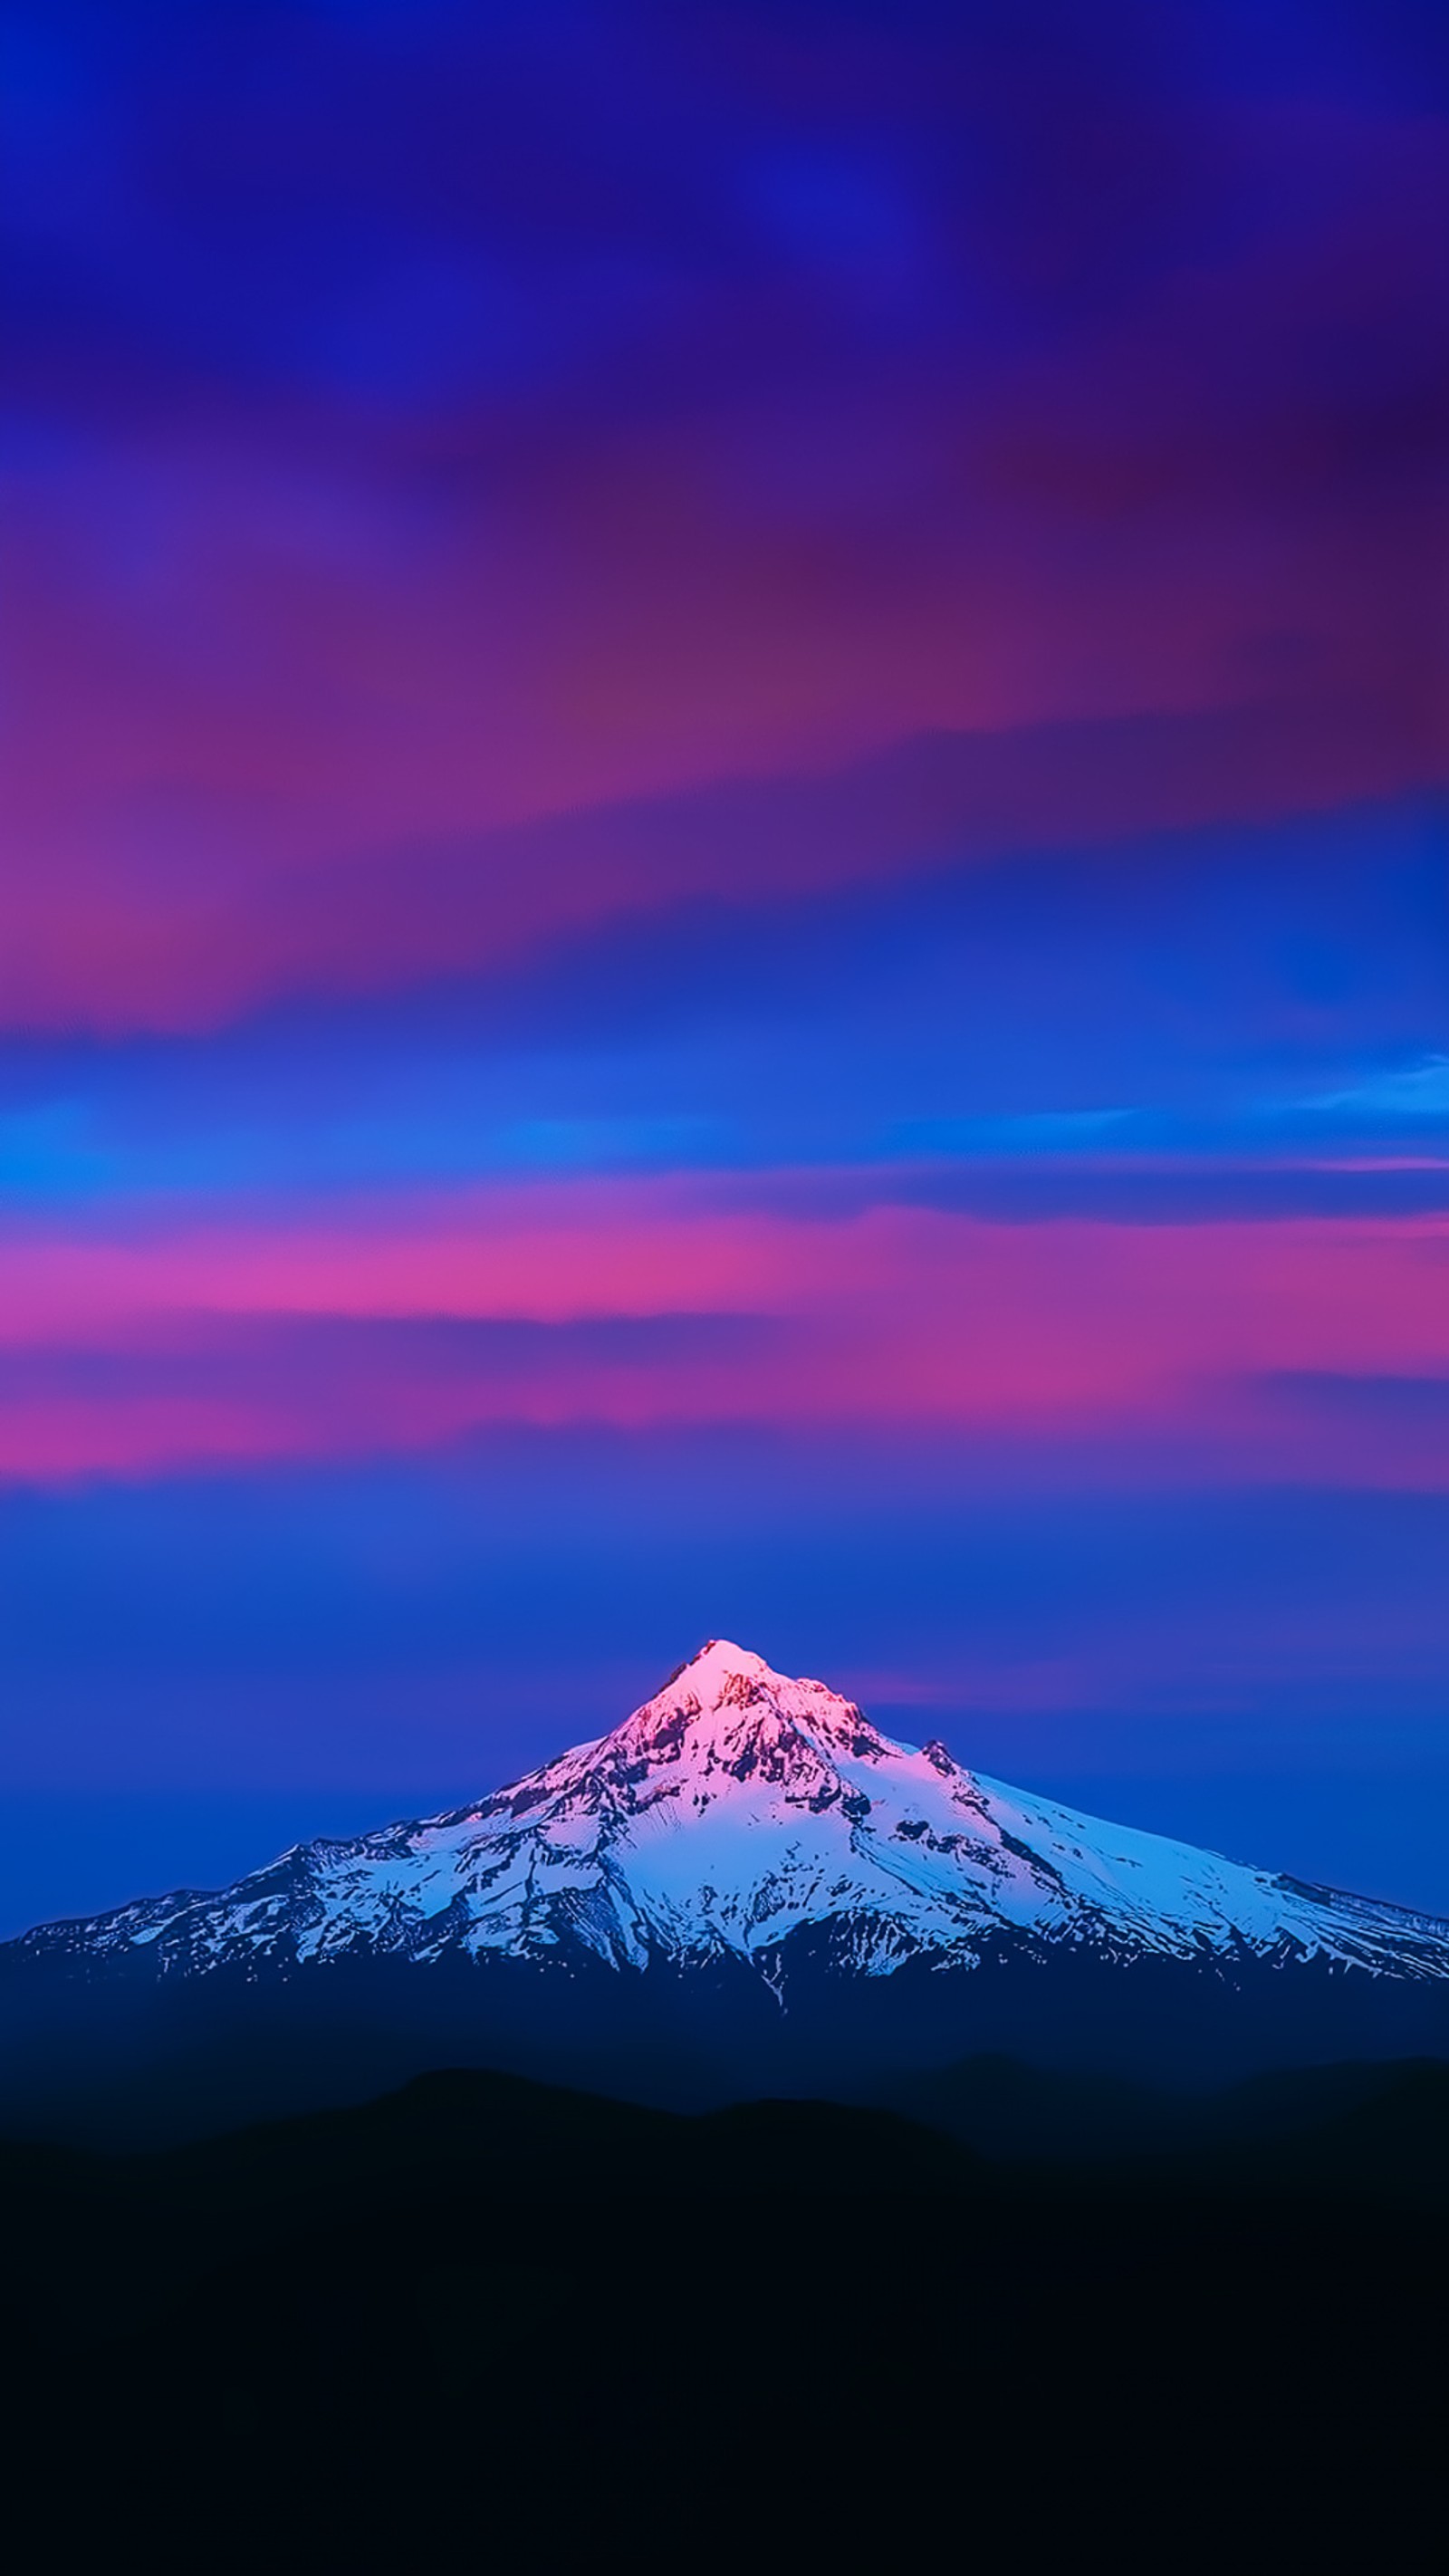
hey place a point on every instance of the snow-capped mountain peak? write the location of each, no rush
(726, 1702)
(738, 1809)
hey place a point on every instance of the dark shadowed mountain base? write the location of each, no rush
(484, 2324)
(122, 2053)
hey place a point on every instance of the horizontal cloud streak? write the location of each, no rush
(187, 946)
(644, 1303)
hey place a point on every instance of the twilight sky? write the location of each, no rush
(723, 904)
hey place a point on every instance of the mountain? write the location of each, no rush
(746, 1882)
(732, 1812)
(734, 1809)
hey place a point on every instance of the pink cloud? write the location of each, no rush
(203, 902)
(1034, 1335)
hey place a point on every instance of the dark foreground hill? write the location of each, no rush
(483, 2324)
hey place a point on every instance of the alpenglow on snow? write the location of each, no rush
(733, 1810)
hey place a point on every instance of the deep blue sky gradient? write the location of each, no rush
(805, 644)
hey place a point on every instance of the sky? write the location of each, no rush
(723, 905)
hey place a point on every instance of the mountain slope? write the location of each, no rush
(735, 1817)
